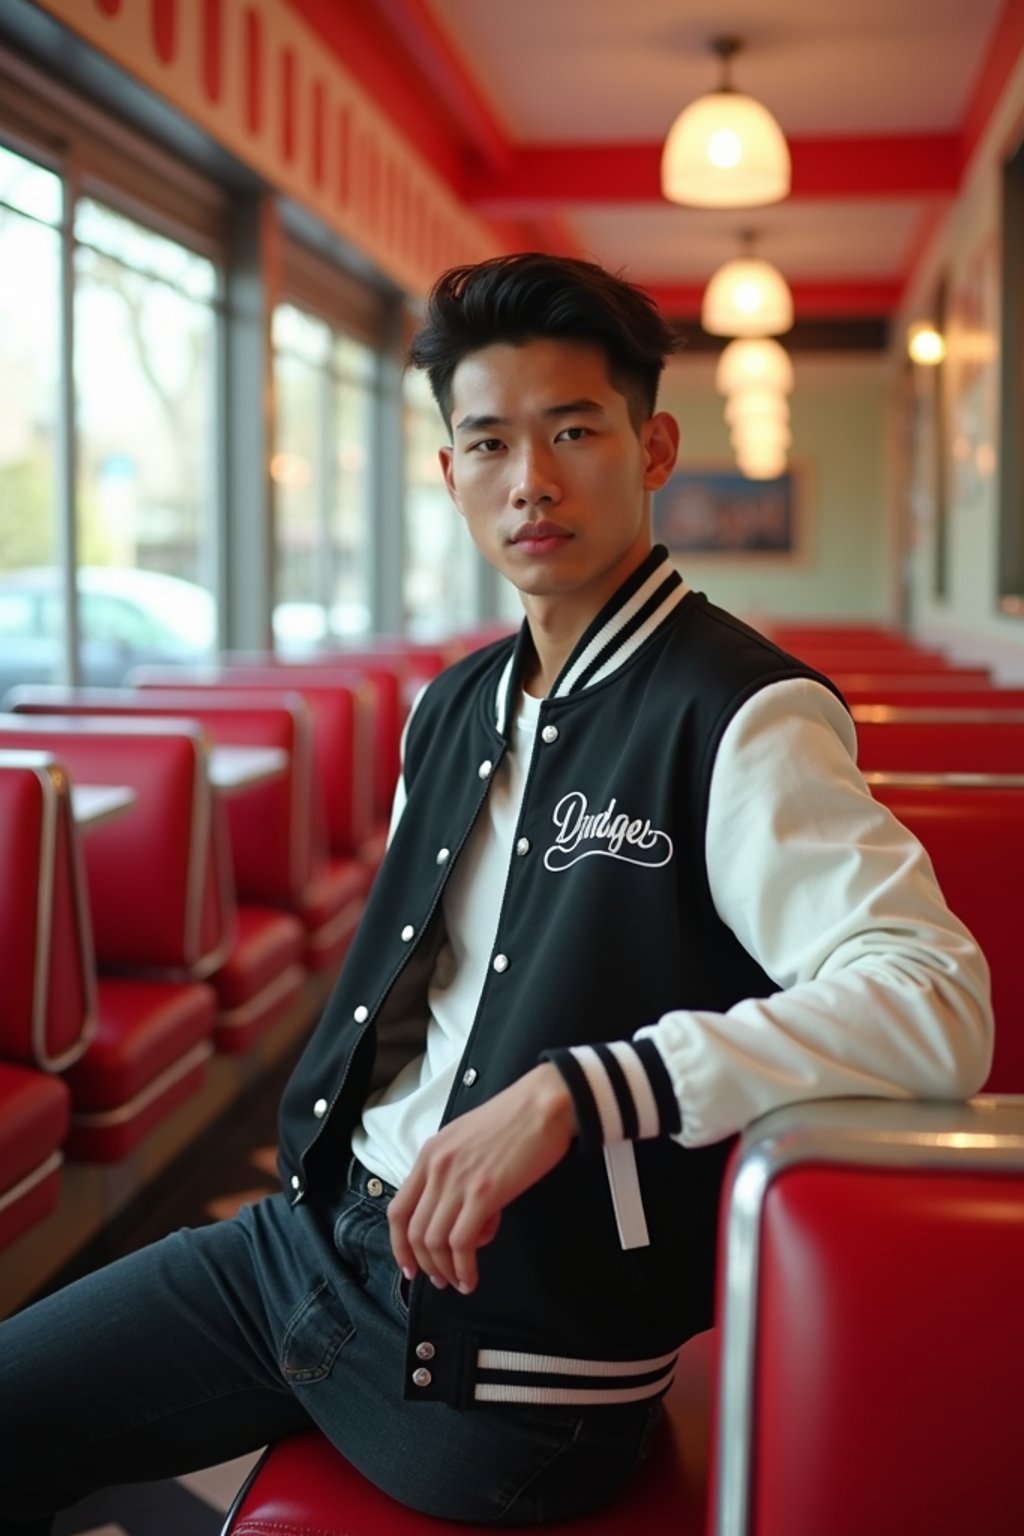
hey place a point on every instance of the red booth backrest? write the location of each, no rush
(890, 1352)
(276, 828)
(909, 695)
(342, 743)
(871, 682)
(873, 1343)
(942, 741)
(974, 835)
(158, 876)
(48, 996)
(389, 708)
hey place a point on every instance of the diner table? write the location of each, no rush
(234, 768)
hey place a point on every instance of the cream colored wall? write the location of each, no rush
(838, 423)
(966, 248)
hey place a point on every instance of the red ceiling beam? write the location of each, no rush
(455, 92)
(903, 165)
(812, 299)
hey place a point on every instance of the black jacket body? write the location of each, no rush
(606, 924)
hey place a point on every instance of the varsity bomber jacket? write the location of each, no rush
(604, 1268)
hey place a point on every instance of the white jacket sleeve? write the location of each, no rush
(884, 992)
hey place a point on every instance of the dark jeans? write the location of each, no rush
(217, 1340)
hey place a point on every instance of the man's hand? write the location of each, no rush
(451, 1203)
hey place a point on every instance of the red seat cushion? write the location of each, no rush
(144, 1028)
(33, 1124)
(303, 1487)
(33, 1120)
(261, 978)
(47, 1003)
(332, 904)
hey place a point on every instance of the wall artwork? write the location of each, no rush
(715, 510)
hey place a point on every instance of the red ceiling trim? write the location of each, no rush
(812, 298)
(1001, 58)
(890, 166)
(456, 91)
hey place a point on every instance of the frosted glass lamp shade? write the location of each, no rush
(747, 297)
(754, 363)
(762, 464)
(725, 150)
(760, 432)
(756, 405)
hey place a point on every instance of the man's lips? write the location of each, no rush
(539, 535)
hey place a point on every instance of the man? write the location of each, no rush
(636, 895)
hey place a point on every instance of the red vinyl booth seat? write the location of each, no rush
(161, 915)
(33, 1127)
(974, 834)
(342, 721)
(157, 891)
(303, 1487)
(149, 1054)
(938, 740)
(385, 680)
(275, 829)
(48, 997)
(907, 695)
(873, 1340)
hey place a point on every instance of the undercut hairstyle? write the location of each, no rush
(531, 296)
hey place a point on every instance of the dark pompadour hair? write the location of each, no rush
(529, 296)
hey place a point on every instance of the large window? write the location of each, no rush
(441, 564)
(145, 369)
(31, 212)
(141, 516)
(325, 386)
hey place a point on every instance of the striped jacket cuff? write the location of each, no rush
(621, 1091)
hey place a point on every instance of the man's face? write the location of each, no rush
(549, 472)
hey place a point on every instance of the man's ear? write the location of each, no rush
(446, 457)
(661, 445)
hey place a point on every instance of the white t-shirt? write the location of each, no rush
(399, 1118)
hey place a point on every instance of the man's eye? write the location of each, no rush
(486, 445)
(574, 434)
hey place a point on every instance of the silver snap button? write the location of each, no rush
(500, 963)
(549, 734)
(523, 846)
(484, 771)
(408, 932)
(361, 1014)
(443, 855)
(422, 1377)
(296, 1181)
(469, 1077)
(320, 1108)
(425, 1351)
(374, 1187)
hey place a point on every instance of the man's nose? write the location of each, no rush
(536, 482)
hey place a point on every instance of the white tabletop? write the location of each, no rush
(236, 768)
(92, 804)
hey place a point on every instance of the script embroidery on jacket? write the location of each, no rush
(616, 836)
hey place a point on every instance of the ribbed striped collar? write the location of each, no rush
(639, 607)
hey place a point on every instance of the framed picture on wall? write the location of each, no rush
(715, 510)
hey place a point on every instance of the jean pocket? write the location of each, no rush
(400, 1294)
(314, 1334)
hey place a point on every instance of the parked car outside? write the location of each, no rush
(126, 617)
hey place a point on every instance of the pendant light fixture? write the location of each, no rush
(725, 150)
(754, 363)
(755, 405)
(747, 297)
